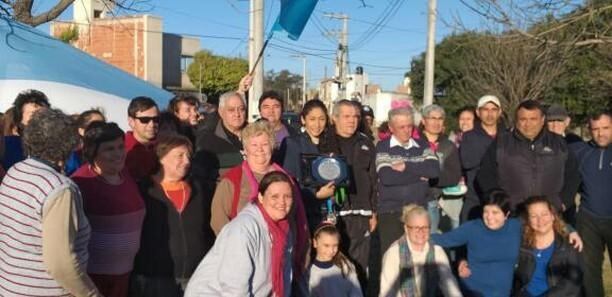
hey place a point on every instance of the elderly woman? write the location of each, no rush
(414, 267)
(176, 233)
(548, 265)
(239, 187)
(113, 206)
(251, 256)
(43, 227)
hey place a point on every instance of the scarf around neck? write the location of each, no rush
(279, 233)
(407, 277)
(296, 218)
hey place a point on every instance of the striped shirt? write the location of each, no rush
(26, 188)
(116, 213)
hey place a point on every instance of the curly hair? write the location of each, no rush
(528, 232)
(255, 129)
(50, 135)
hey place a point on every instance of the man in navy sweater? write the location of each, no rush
(404, 166)
(594, 219)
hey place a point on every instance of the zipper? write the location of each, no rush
(601, 155)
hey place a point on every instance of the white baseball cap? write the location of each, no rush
(486, 99)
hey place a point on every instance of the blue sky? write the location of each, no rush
(386, 55)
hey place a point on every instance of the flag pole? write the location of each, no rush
(261, 52)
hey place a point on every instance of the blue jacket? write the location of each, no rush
(396, 189)
(595, 167)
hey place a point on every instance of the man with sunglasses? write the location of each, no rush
(143, 118)
(558, 121)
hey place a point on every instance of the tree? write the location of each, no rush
(287, 84)
(21, 10)
(525, 18)
(218, 74)
(515, 66)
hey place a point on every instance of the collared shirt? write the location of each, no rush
(411, 143)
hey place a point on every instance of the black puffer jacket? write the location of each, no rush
(564, 271)
(524, 168)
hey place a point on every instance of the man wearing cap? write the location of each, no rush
(594, 219)
(473, 147)
(557, 121)
(530, 161)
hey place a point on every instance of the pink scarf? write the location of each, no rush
(279, 232)
(299, 225)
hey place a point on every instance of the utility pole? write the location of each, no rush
(430, 54)
(256, 40)
(303, 57)
(342, 69)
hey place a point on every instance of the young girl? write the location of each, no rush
(331, 273)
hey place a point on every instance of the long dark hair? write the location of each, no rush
(340, 260)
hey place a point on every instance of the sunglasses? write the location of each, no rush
(146, 120)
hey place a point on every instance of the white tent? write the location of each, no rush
(73, 80)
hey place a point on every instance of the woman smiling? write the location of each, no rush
(113, 206)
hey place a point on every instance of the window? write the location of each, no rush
(185, 62)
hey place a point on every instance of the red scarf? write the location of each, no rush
(299, 224)
(279, 232)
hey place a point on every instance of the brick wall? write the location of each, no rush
(119, 42)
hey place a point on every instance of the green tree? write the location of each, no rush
(218, 74)
(288, 84)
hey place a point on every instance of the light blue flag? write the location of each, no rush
(294, 15)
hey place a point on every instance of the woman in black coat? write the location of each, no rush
(315, 120)
(548, 265)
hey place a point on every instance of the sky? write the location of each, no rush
(385, 55)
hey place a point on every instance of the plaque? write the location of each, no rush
(322, 169)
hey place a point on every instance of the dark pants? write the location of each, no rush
(596, 234)
(355, 243)
(390, 228)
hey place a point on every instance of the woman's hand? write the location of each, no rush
(575, 240)
(326, 191)
(463, 269)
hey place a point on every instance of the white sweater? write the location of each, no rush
(389, 286)
(325, 279)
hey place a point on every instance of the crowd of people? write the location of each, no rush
(191, 204)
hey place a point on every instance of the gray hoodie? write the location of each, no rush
(239, 262)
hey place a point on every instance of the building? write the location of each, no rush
(133, 43)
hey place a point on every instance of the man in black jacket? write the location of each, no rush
(220, 149)
(530, 161)
(357, 215)
(474, 144)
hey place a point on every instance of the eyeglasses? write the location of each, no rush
(418, 228)
(146, 120)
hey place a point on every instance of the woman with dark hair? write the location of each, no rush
(493, 245)
(548, 265)
(314, 118)
(44, 231)
(83, 120)
(113, 205)
(176, 233)
(252, 254)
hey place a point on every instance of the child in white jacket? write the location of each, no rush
(331, 273)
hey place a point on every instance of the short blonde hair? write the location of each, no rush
(412, 210)
(255, 129)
